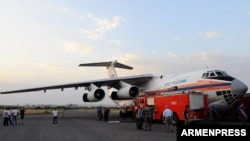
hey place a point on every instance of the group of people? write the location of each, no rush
(242, 114)
(167, 114)
(144, 118)
(16, 117)
(103, 113)
(11, 116)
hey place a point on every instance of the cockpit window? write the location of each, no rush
(205, 75)
(218, 73)
(225, 73)
(214, 73)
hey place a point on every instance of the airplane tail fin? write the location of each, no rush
(110, 67)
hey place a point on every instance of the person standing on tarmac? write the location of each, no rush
(214, 115)
(22, 113)
(186, 115)
(242, 114)
(106, 114)
(14, 116)
(147, 112)
(167, 115)
(5, 117)
(9, 116)
(55, 117)
(139, 118)
(99, 113)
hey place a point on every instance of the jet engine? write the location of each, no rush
(94, 94)
(125, 92)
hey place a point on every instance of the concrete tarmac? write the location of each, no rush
(82, 125)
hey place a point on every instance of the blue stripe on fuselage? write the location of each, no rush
(202, 86)
(190, 88)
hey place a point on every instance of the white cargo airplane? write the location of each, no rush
(223, 90)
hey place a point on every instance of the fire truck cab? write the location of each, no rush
(198, 105)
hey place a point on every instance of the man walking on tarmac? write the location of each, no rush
(167, 115)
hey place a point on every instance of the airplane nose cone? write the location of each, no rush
(239, 87)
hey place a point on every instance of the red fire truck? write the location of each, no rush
(197, 102)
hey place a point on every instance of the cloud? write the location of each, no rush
(210, 34)
(79, 48)
(69, 11)
(104, 25)
(101, 26)
(115, 42)
(46, 66)
(173, 62)
(176, 38)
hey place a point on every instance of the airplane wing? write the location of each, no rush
(110, 82)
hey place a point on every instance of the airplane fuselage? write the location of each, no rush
(223, 90)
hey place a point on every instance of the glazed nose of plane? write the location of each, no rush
(238, 87)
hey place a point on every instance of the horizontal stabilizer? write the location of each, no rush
(108, 64)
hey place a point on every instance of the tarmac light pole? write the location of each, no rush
(64, 110)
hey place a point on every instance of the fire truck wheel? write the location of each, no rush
(175, 119)
(162, 120)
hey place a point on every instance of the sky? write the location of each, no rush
(43, 42)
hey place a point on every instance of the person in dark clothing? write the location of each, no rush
(148, 113)
(139, 118)
(99, 113)
(22, 113)
(214, 115)
(186, 115)
(242, 114)
(106, 114)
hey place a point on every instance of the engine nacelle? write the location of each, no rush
(94, 95)
(125, 93)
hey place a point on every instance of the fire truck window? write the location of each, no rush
(135, 102)
(141, 100)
